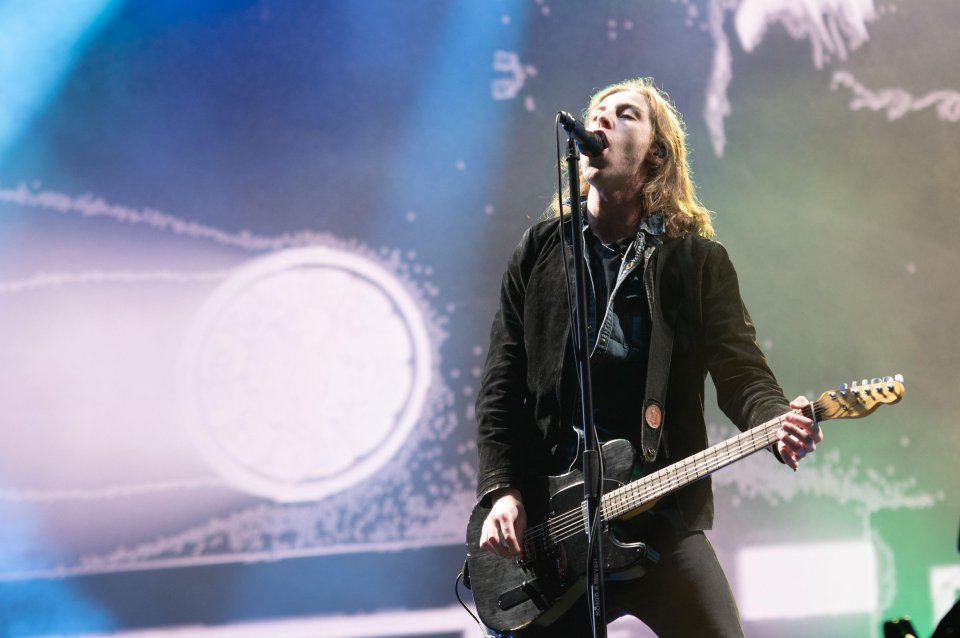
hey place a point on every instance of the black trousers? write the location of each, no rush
(684, 595)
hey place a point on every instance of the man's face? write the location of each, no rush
(624, 119)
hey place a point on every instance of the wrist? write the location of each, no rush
(502, 492)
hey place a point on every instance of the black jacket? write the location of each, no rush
(528, 393)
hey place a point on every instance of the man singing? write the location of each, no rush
(640, 205)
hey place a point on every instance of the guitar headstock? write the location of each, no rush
(859, 400)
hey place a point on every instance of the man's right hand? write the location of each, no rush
(503, 529)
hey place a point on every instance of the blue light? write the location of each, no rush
(449, 132)
(39, 43)
(30, 605)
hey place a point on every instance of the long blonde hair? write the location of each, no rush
(669, 187)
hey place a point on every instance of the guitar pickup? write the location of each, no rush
(527, 590)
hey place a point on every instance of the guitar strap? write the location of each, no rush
(658, 364)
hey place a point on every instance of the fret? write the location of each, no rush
(693, 468)
(845, 403)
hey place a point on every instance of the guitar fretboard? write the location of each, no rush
(636, 494)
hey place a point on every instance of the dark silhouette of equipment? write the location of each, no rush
(949, 626)
(899, 628)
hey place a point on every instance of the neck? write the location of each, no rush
(611, 217)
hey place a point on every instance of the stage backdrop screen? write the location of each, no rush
(250, 251)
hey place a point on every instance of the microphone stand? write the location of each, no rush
(591, 455)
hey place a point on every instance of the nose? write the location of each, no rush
(604, 120)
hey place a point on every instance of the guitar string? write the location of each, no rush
(571, 522)
(696, 467)
(619, 501)
(623, 499)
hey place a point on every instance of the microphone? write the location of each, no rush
(589, 143)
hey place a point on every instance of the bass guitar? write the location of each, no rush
(523, 595)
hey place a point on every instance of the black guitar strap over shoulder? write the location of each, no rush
(658, 364)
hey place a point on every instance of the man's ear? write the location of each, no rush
(657, 154)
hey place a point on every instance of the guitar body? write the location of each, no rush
(518, 597)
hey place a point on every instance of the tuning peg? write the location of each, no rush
(843, 389)
(899, 378)
(854, 390)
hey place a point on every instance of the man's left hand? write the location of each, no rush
(799, 435)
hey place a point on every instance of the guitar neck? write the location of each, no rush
(851, 402)
(635, 495)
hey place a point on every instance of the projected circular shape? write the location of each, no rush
(305, 372)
